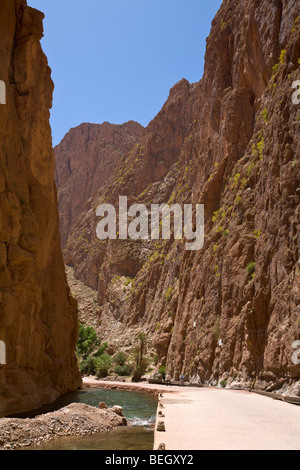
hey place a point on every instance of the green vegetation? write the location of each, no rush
(215, 216)
(123, 371)
(223, 383)
(103, 364)
(238, 200)
(122, 368)
(128, 281)
(235, 180)
(251, 268)
(141, 361)
(89, 350)
(88, 366)
(259, 147)
(282, 57)
(257, 234)
(265, 115)
(94, 360)
(88, 342)
(217, 272)
(120, 358)
(249, 170)
(169, 294)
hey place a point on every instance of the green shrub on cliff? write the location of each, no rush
(169, 294)
(251, 268)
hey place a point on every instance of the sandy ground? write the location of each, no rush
(218, 419)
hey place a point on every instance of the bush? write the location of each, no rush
(162, 370)
(88, 366)
(251, 268)
(104, 363)
(120, 358)
(223, 383)
(122, 371)
(169, 294)
(101, 350)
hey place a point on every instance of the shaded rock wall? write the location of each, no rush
(38, 317)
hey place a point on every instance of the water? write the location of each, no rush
(138, 408)
(135, 438)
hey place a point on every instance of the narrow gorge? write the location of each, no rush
(226, 313)
(229, 312)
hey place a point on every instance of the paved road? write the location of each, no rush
(214, 419)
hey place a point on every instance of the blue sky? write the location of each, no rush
(116, 60)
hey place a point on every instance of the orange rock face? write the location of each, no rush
(38, 317)
(231, 142)
(85, 159)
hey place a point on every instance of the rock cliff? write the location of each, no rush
(38, 316)
(230, 311)
(85, 159)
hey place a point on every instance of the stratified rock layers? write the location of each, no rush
(38, 316)
(230, 311)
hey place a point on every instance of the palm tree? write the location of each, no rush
(141, 362)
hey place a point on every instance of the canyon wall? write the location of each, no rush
(230, 311)
(38, 316)
(85, 159)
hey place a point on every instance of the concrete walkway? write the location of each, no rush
(218, 419)
(215, 419)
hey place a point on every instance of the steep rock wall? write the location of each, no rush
(85, 159)
(38, 317)
(231, 310)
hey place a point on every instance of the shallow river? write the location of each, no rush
(138, 408)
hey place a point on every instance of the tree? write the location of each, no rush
(140, 359)
(104, 363)
(88, 341)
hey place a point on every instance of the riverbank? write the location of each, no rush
(76, 419)
(186, 418)
(144, 387)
